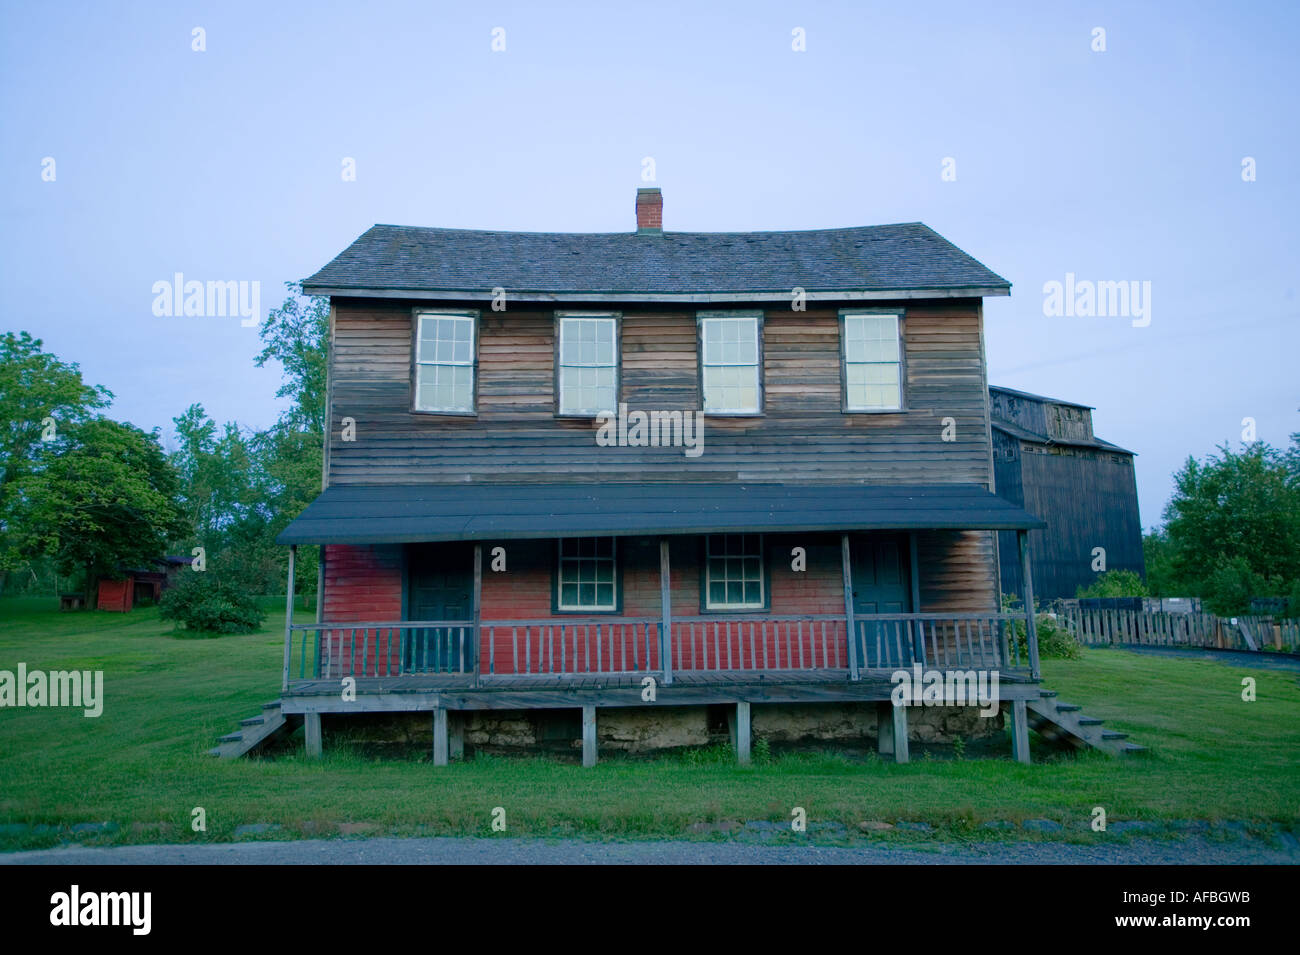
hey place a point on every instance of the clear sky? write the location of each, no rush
(1122, 165)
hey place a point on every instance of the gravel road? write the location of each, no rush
(1194, 850)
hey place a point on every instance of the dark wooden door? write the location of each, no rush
(440, 586)
(882, 584)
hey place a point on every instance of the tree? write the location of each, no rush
(101, 496)
(291, 452)
(1232, 528)
(39, 396)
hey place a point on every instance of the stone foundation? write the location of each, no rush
(645, 730)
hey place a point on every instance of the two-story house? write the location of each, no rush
(658, 479)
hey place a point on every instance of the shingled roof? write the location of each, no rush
(904, 260)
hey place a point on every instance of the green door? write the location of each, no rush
(439, 586)
(882, 585)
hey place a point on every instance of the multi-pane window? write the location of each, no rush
(588, 364)
(444, 362)
(586, 574)
(872, 359)
(733, 572)
(730, 364)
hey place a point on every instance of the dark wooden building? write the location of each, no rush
(733, 468)
(1048, 461)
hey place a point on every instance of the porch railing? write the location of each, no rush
(628, 645)
(949, 641)
(331, 651)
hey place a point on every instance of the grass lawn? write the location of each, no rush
(143, 764)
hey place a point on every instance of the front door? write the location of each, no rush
(882, 584)
(439, 586)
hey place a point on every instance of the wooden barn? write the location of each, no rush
(631, 489)
(1048, 460)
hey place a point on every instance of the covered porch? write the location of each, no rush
(855, 583)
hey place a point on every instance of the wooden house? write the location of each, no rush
(1048, 460)
(648, 482)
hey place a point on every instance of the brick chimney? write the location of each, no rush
(649, 212)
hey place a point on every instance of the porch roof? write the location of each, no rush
(391, 514)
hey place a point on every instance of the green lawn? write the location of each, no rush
(143, 763)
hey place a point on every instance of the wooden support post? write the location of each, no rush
(288, 618)
(901, 754)
(311, 734)
(1022, 539)
(1019, 731)
(666, 609)
(320, 586)
(440, 736)
(885, 728)
(477, 609)
(918, 628)
(850, 629)
(588, 736)
(742, 733)
(456, 734)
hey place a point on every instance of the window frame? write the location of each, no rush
(557, 563)
(417, 315)
(558, 330)
(901, 315)
(764, 574)
(758, 316)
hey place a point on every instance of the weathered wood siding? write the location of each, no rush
(803, 435)
(1087, 496)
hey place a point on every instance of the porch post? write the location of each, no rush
(850, 630)
(311, 734)
(742, 733)
(1022, 540)
(588, 736)
(477, 605)
(440, 747)
(288, 618)
(885, 728)
(666, 607)
(1019, 731)
(918, 626)
(456, 734)
(899, 713)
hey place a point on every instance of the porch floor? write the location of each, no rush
(463, 691)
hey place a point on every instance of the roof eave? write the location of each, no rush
(820, 295)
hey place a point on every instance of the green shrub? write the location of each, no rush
(1055, 641)
(204, 604)
(1115, 583)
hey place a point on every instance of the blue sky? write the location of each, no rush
(1116, 165)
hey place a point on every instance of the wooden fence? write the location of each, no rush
(1155, 629)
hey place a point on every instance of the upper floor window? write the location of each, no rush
(729, 363)
(445, 360)
(872, 361)
(586, 574)
(588, 364)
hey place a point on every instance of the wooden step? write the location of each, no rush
(253, 732)
(1090, 721)
(1068, 707)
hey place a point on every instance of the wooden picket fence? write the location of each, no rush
(1156, 629)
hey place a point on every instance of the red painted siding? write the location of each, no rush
(363, 584)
